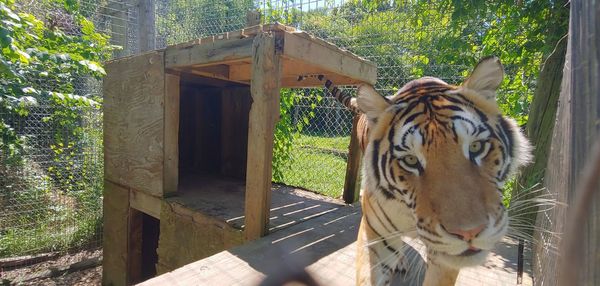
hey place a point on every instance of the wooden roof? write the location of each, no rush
(228, 56)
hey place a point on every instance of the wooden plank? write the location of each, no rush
(190, 78)
(12, 262)
(584, 106)
(171, 137)
(220, 71)
(216, 76)
(235, 108)
(558, 181)
(114, 241)
(328, 58)
(133, 122)
(351, 183)
(240, 71)
(187, 236)
(134, 247)
(145, 203)
(224, 51)
(264, 113)
(291, 69)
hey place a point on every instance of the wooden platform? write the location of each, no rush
(223, 199)
(324, 245)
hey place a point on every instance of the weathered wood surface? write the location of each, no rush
(228, 56)
(324, 247)
(223, 200)
(309, 50)
(187, 236)
(540, 124)
(215, 52)
(115, 234)
(352, 185)
(235, 108)
(292, 68)
(145, 203)
(171, 135)
(134, 246)
(133, 122)
(264, 113)
(577, 129)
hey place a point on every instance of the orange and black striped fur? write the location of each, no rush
(436, 157)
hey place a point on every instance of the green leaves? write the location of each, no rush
(40, 64)
(286, 130)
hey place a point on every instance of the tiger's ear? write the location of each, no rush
(371, 102)
(486, 77)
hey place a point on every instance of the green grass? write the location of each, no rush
(315, 167)
(49, 235)
(338, 143)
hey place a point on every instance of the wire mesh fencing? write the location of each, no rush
(52, 192)
(51, 177)
(52, 200)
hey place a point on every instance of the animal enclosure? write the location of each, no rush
(50, 210)
(188, 144)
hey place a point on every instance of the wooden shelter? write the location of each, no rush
(188, 141)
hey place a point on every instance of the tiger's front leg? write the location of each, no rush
(378, 259)
(439, 275)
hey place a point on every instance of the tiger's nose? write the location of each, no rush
(468, 234)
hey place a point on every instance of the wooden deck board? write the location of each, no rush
(223, 199)
(325, 247)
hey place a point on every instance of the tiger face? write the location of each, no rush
(441, 154)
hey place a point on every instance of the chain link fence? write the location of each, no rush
(51, 192)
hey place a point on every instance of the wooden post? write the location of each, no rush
(584, 40)
(575, 132)
(115, 234)
(264, 113)
(134, 248)
(171, 131)
(351, 184)
(146, 25)
(119, 27)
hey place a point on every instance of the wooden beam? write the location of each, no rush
(114, 241)
(328, 57)
(223, 51)
(290, 71)
(171, 135)
(351, 184)
(264, 113)
(145, 203)
(134, 247)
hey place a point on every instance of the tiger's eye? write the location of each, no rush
(475, 147)
(410, 160)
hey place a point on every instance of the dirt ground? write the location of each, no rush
(24, 275)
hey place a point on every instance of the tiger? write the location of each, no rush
(435, 159)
